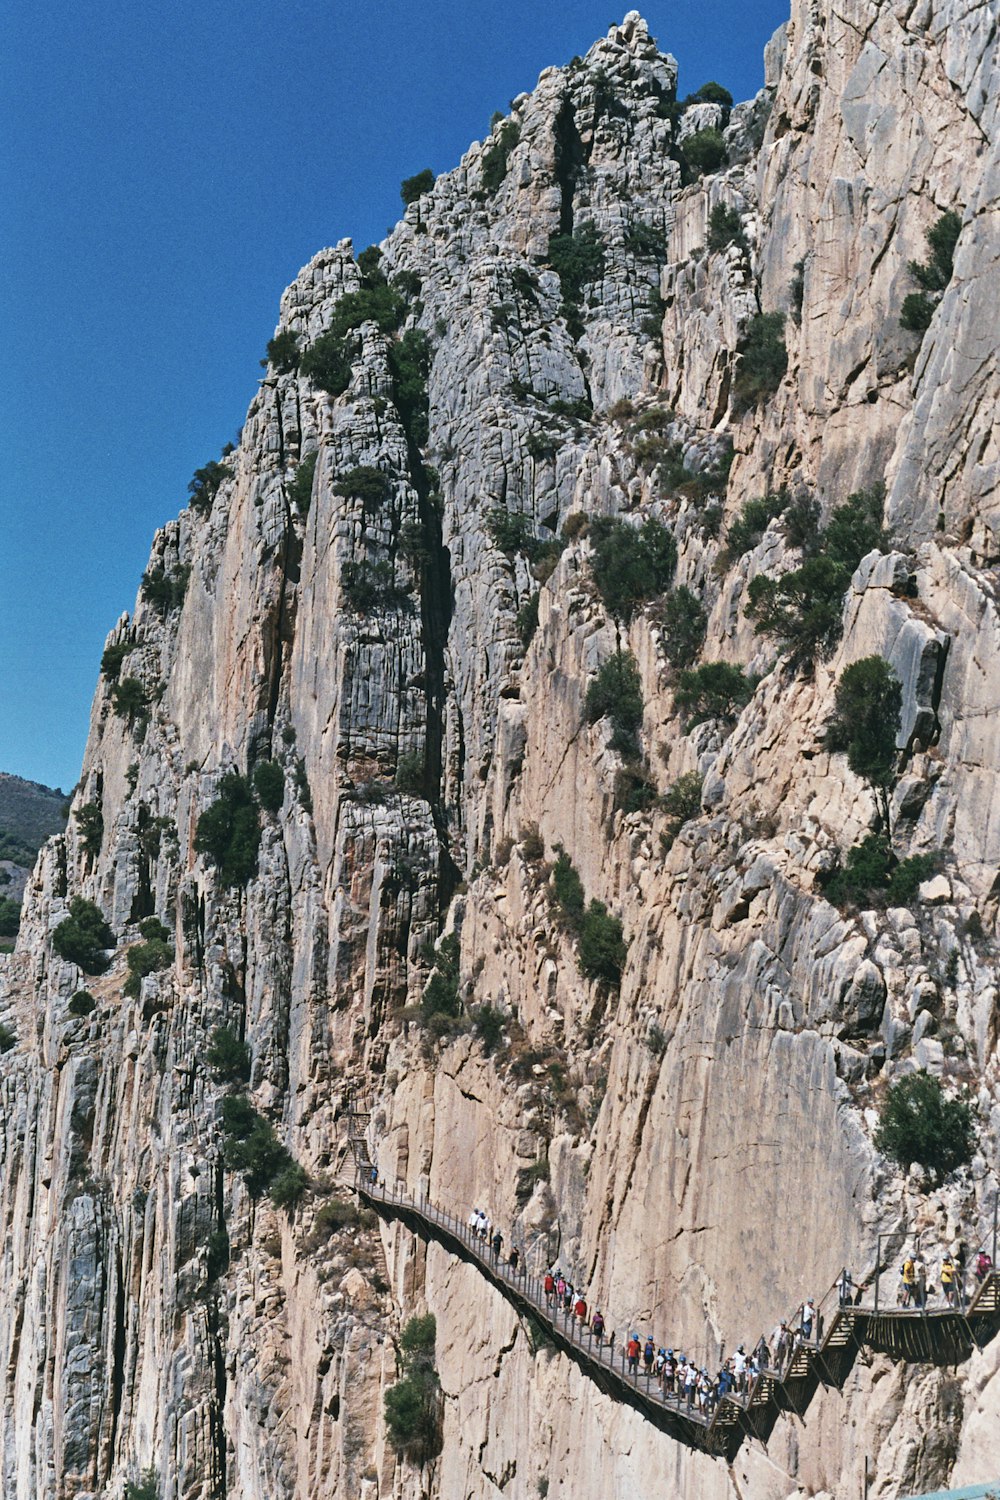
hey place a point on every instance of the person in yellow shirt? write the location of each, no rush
(948, 1284)
(909, 1280)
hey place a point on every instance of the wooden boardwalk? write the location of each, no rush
(942, 1336)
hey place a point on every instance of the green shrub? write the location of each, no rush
(409, 366)
(227, 1056)
(288, 1186)
(496, 157)
(634, 792)
(803, 609)
(577, 259)
(10, 916)
(327, 363)
(616, 694)
(529, 1177)
(82, 937)
(704, 151)
(750, 525)
(715, 690)
(269, 784)
(217, 1256)
(206, 483)
(253, 1148)
(511, 533)
(602, 945)
(413, 1404)
(801, 524)
(630, 565)
(725, 227)
(683, 620)
(527, 620)
(146, 958)
(711, 93)
(82, 1003)
(228, 832)
(370, 265)
(488, 1026)
(378, 303)
(440, 997)
(567, 887)
(164, 588)
(90, 822)
(919, 1124)
(935, 273)
(651, 326)
(145, 1488)
(797, 291)
(762, 363)
(916, 313)
(645, 241)
(410, 773)
(681, 802)
(413, 188)
(113, 657)
(370, 585)
(871, 875)
(130, 701)
(865, 724)
(283, 352)
(300, 487)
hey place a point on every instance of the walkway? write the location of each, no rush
(942, 1336)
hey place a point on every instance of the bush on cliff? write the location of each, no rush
(206, 483)
(865, 724)
(716, 690)
(300, 485)
(763, 361)
(227, 1056)
(228, 832)
(253, 1148)
(631, 565)
(269, 784)
(616, 694)
(919, 1124)
(704, 151)
(683, 620)
(413, 1404)
(82, 937)
(411, 189)
(327, 363)
(803, 609)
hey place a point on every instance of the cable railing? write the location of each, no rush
(714, 1419)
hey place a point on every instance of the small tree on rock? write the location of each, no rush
(865, 724)
(919, 1124)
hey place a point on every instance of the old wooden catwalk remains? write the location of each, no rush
(942, 1336)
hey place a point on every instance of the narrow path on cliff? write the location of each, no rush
(942, 1336)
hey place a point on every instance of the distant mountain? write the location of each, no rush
(29, 813)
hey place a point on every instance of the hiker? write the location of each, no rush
(497, 1243)
(690, 1381)
(808, 1319)
(632, 1354)
(762, 1354)
(781, 1346)
(513, 1258)
(920, 1281)
(567, 1306)
(909, 1280)
(560, 1288)
(597, 1325)
(983, 1266)
(549, 1287)
(580, 1309)
(669, 1370)
(846, 1286)
(374, 1175)
(474, 1222)
(739, 1363)
(948, 1279)
(648, 1353)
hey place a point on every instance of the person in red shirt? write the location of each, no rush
(632, 1351)
(580, 1309)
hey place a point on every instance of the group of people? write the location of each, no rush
(913, 1290)
(481, 1228)
(680, 1379)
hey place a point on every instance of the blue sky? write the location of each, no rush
(166, 171)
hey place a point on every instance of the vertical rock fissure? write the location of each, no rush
(117, 1365)
(569, 160)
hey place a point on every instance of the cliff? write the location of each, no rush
(696, 1142)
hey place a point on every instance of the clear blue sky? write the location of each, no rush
(166, 170)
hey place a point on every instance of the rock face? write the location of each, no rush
(695, 1145)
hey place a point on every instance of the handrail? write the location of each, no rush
(729, 1416)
